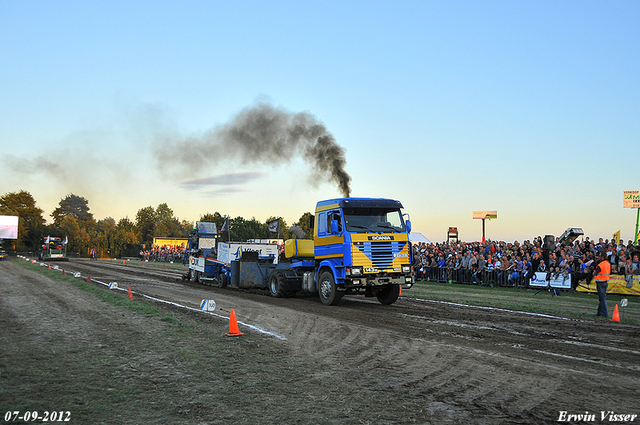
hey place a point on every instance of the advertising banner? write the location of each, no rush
(556, 281)
(485, 214)
(8, 227)
(228, 252)
(631, 199)
(617, 285)
(171, 241)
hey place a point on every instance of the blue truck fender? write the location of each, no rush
(337, 276)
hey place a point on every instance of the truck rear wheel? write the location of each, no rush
(274, 285)
(329, 294)
(277, 285)
(222, 280)
(388, 295)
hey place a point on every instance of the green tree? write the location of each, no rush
(126, 234)
(73, 220)
(236, 229)
(242, 230)
(160, 222)
(256, 230)
(164, 221)
(168, 225)
(75, 206)
(186, 226)
(214, 218)
(80, 242)
(105, 233)
(146, 225)
(30, 219)
(305, 223)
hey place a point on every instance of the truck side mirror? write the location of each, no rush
(407, 222)
(334, 226)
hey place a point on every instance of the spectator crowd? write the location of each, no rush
(168, 253)
(514, 264)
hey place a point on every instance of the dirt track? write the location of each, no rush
(468, 365)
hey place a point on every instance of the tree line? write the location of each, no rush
(72, 219)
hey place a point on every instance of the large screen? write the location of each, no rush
(8, 227)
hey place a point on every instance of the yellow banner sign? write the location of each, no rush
(617, 285)
(631, 199)
(485, 214)
(171, 241)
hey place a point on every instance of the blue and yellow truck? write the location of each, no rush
(359, 246)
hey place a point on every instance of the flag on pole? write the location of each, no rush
(274, 226)
(46, 241)
(225, 225)
(66, 240)
(616, 237)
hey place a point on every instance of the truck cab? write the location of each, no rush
(361, 245)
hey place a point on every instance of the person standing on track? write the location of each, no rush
(601, 276)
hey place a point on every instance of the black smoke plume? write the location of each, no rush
(265, 134)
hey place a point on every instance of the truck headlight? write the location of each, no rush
(356, 271)
(406, 269)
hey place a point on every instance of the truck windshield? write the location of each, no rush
(377, 220)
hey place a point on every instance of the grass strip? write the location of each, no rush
(568, 304)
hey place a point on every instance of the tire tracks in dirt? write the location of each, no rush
(474, 363)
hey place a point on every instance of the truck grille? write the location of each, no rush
(381, 254)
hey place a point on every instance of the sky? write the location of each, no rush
(527, 108)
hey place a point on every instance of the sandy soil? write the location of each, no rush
(465, 364)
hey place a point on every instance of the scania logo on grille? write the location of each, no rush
(380, 238)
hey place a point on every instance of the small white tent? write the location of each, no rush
(417, 237)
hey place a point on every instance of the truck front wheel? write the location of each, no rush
(222, 280)
(194, 276)
(389, 294)
(329, 294)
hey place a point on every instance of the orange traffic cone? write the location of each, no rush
(130, 293)
(49, 266)
(63, 272)
(123, 262)
(616, 314)
(233, 325)
(400, 294)
(89, 279)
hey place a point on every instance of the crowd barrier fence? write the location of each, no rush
(500, 278)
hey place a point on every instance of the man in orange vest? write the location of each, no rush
(601, 276)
